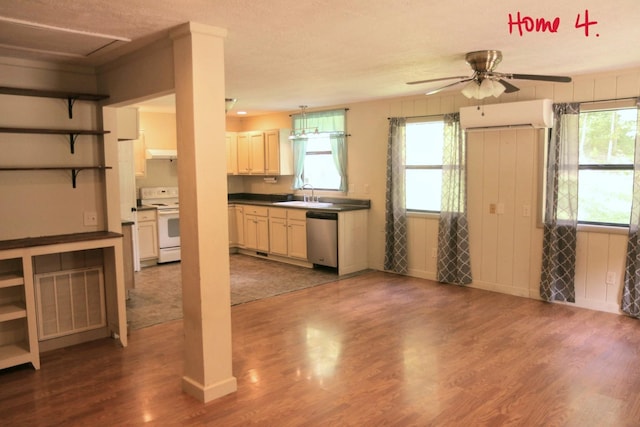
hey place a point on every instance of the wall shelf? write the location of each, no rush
(71, 97)
(73, 133)
(74, 169)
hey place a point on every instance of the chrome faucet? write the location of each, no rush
(313, 197)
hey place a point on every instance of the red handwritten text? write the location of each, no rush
(528, 24)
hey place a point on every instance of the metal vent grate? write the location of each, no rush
(69, 302)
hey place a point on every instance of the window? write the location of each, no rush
(605, 175)
(423, 170)
(319, 168)
(320, 154)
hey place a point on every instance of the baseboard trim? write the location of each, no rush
(211, 392)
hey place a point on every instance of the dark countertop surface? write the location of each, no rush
(273, 200)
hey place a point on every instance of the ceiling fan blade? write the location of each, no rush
(431, 92)
(561, 79)
(509, 88)
(436, 80)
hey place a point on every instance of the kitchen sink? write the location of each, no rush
(303, 204)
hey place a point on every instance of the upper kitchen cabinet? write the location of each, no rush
(278, 152)
(251, 153)
(128, 125)
(232, 153)
(261, 153)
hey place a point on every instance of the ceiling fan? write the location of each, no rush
(484, 81)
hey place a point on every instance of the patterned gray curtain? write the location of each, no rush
(561, 206)
(395, 251)
(630, 303)
(454, 261)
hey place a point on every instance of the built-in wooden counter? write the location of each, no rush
(17, 257)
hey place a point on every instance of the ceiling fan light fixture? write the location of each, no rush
(490, 87)
(471, 90)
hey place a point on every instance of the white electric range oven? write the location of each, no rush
(165, 200)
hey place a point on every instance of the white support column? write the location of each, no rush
(202, 178)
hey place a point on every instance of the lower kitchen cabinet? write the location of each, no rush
(147, 234)
(256, 228)
(288, 232)
(236, 225)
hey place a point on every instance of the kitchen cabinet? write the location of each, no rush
(127, 123)
(256, 228)
(139, 156)
(232, 153)
(278, 152)
(236, 226)
(288, 232)
(352, 241)
(250, 153)
(18, 336)
(147, 234)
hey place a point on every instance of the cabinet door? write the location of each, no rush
(262, 233)
(240, 225)
(250, 231)
(256, 152)
(232, 153)
(233, 231)
(148, 239)
(139, 156)
(278, 236)
(272, 152)
(243, 148)
(297, 238)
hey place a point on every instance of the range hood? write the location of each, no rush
(153, 154)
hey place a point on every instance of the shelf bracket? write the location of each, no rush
(72, 141)
(74, 175)
(70, 101)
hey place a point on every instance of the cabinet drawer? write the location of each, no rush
(300, 214)
(256, 210)
(148, 215)
(277, 213)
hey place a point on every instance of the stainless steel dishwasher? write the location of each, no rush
(322, 238)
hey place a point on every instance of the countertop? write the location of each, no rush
(273, 200)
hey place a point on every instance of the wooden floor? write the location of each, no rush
(377, 349)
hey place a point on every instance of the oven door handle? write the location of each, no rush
(168, 211)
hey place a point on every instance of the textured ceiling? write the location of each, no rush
(280, 54)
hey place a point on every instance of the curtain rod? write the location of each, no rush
(320, 111)
(629, 98)
(420, 117)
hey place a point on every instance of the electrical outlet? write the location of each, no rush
(434, 253)
(611, 278)
(526, 211)
(492, 208)
(90, 218)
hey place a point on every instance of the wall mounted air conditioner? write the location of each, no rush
(154, 154)
(537, 113)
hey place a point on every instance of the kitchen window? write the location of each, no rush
(320, 149)
(605, 171)
(423, 165)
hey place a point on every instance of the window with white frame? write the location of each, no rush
(606, 157)
(319, 168)
(320, 153)
(423, 165)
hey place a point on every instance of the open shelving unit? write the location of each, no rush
(71, 97)
(18, 336)
(73, 134)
